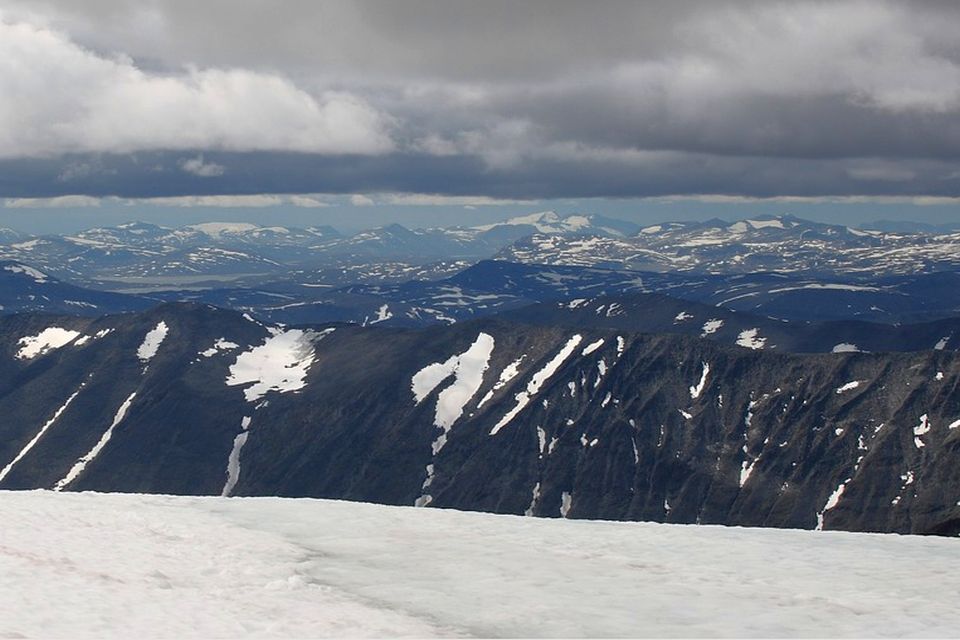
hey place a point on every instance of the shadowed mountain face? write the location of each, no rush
(492, 415)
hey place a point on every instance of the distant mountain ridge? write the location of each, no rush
(783, 244)
(140, 250)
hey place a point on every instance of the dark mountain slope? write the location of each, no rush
(489, 415)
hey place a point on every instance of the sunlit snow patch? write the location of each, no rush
(383, 313)
(152, 341)
(468, 368)
(222, 344)
(47, 340)
(853, 384)
(280, 364)
(749, 339)
(38, 276)
(710, 327)
(82, 340)
(845, 347)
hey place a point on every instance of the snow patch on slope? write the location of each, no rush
(280, 364)
(222, 344)
(38, 276)
(47, 340)
(152, 341)
(697, 389)
(853, 384)
(845, 347)
(710, 327)
(749, 338)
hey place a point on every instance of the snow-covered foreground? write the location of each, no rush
(82, 565)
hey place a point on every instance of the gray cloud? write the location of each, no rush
(499, 99)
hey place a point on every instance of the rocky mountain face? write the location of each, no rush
(492, 415)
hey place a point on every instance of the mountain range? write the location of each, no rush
(492, 415)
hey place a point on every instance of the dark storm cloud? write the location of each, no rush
(158, 175)
(502, 99)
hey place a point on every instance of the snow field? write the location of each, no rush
(94, 565)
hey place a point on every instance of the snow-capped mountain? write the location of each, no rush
(490, 415)
(782, 244)
(9, 235)
(146, 254)
(143, 251)
(550, 222)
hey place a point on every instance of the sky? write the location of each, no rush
(341, 113)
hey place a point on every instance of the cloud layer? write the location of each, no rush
(493, 99)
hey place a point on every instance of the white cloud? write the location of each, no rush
(60, 202)
(198, 167)
(309, 202)
(60, 98)
(430, 199)
(238, 202)
(360, 200)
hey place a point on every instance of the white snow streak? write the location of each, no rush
(43, 430)
(539, 378)
(534, 498)
(697, 389)
(590, 348)
(82, 463)
(233, 461)
(832, 501)
(853, 384)
(921, 430)
(509, 373)
(468, 369)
